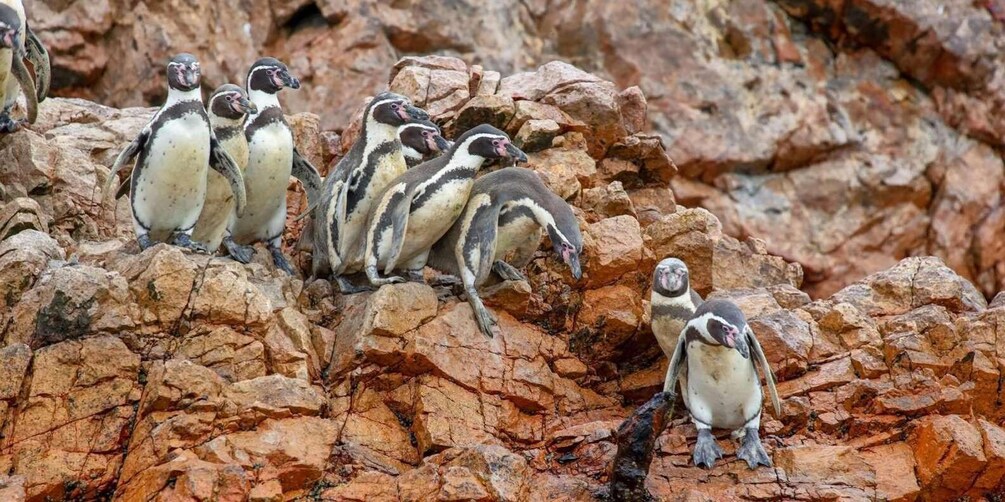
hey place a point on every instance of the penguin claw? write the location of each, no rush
(706, 451)
(752, 451)
(507, 272)
(486, 322)
(9, 125)
(380, 281)
(238, 252)
(144, 241)
(281, 262)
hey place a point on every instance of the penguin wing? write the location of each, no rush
(223, 163)
(309, 176)
(677, 365)
(762, 361)
(39, 58)
(696, 298)
(395, 213)
(476, 246)
(127, 155)
(27, 83)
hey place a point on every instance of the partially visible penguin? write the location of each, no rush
(421, 141)
(18, 42)
(672, 302)
(373, 161)
(507, 214)
(227, 108)
(721, 355)
(418, 207)
(272, 159)
(168, 182)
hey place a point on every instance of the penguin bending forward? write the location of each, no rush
(18, 42)
(420, 141)
(369, 166)
(505, 215)
(420, 206)
(272, 159)
(227, 108)
(721, 354)
(168, 182)
(672, 302)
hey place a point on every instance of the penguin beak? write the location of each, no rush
(734, 339)
(664, 279)
(510, 151)
(439, 144)
(409, 113)
(9, 39)
(289, 80)
(571, 258)
(246, 106)
(190, 77)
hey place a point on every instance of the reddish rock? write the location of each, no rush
(613, 248)
(950, 455)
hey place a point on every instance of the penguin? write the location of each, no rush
(18, 42)
(672, 302)
(507, 213)
(227, 108)
(721, 355)
(168, 182)
(272, 159)
(369, 166)
(420, 141)
(419, 206)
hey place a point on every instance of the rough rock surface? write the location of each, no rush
(165, 375)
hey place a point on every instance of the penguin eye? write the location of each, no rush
(395, 106)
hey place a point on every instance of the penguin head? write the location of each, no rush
(394, 110)
(726, 324)
(420, 139)
(671, 278)
(270, 75)
(10, 29)
(184, 73)
(230, 102)
(567, 241)
(489, 143)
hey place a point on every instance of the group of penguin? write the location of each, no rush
(403, 197)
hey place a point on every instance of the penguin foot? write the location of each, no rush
(144, 241)
(415, 276)
(185, 241)
(346, 287)
(752, 451)
(706, 451)
(238, 252)
(486, 321)
(377, 281)
(280, 260)
(9, 125)
(445, 280)
(507, 272)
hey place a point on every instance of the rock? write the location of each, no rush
(895, 467)
(608, 201)
(564, 171)
(823, 471)
(494, 110)
(613, 249)
(536, 135)
(949, 453)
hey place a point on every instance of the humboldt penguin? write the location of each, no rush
(227, 108)
(272, 159)
(369, 166)
(18, 42)
(420, 141)
(672, 302)
(419, 206)
(721, 355)
(505, 215)
(168, 182)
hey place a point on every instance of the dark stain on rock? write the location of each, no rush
(62, 319)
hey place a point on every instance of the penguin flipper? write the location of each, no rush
(125, 156)
(397, 209)
(696, 299)
(677, 365)
(27, 83)
(39, 58)
(769, 376)
(223, 163)
(124, 187)
(310, 178)
(476, 247)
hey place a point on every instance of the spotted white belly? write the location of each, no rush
(723, 388)
(171, 186)
(352, 236)
(219, 206)
(270, 163)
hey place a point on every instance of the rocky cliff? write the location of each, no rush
(164, 375)
(847, 134)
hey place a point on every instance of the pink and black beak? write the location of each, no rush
(10, 39)
(507, 150)
(571, 258)
(286, 79)
(671, 279)
(409, 113)
(435, 142)
(735, 339)
(242, 104)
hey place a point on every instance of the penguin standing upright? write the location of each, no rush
(372, 162)
(420, 141)
(419, 206)
(505, 213)
(272, 159)
(168, 182)
(672, 302)
(721, 355)
(18, 42)
(227, 109)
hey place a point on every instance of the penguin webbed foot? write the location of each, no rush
(238, 252)
(346, 287)
(280, 260)
(9, 125)
(706, 450)
(377, 281)
(752, 451)
(487, 322)
(184, 240)
(144, 241)
(415, 275)
(507, 272)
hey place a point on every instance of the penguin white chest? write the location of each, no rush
(723, 388)
(8, 84)
(436, 214)
(270, 163)
(515, 234)
(171, 182)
